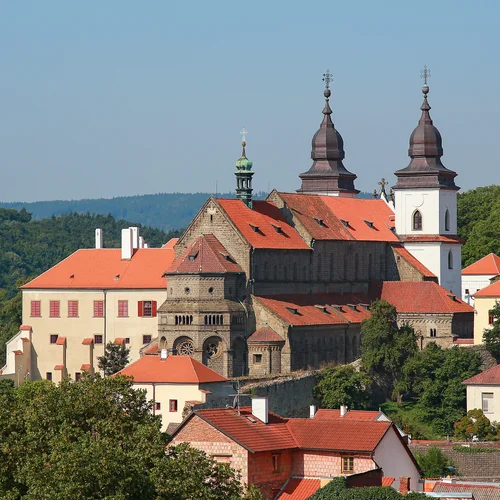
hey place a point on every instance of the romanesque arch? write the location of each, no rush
(213, 349)
(184, 346)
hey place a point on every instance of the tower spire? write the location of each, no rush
(244, 174)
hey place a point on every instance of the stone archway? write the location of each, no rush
(213, 349)
(184, 346)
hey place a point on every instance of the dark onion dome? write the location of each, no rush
(426, 148)
(327, 174)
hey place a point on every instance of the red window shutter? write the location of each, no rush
(139, 307)
(153, 308)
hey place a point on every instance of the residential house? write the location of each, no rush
(483, 392)
(484, 302)
(478, 276)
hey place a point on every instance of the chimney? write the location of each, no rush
(163, 354)
(404, 485)
(312, 411)
(146, 245)
(343, 410)
(98, 238)
(141, 242)
(260, 408)
(127, 249)
(135, 237)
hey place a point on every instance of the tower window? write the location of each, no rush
(447, 220)
(450, 260)
(417, 221)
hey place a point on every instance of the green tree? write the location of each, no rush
(342, 385)
(434, 463)
(386, 347)
(474, 424)
(491, 335)
(115, 358)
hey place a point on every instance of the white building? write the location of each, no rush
(478, 275)
(483, 392)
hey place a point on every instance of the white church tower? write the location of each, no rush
(425, 198)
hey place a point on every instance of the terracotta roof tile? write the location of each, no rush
(350, 306)
(85, 367)
(25, 327)
(401, 250)
(480, 491)
(489, 265)
(119, 340)
(87, 341)
(205, 255)
(170, 244)
(59, 367)
(429, 238)
(265, 334)
(464, 341)
(492, 290)
(18, 352)
(61, 340)
(264, 226)
(300, 488)
(488, 377)
(361, 415)
(387, 481)
(173, 370)
(104, 268)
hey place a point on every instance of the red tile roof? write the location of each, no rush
(387, 481)
(334, 218)
(61, 340)
(170, 243)
(104, 269)
(119, 340)
(480, 491)
(362, 415)
(87, 341)
(401, 251)
(173, 370)
(300, 488)
(489, 265)
(25, 327)
(488, 377)
(205, 255)
(347, 305)
(59, 367)
(430, 238)
(464, 341)
(85, 367)
(265, 334)
(264, 226)
(492, 290)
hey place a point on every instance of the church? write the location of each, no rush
(274, 286)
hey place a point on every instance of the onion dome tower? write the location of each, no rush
(425, 197)
(244, 176)
(328, 176)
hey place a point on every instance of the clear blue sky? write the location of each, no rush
(112, 98)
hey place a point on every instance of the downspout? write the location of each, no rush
(154, 399)
(311, 267)
(245, 336)
(104, 333)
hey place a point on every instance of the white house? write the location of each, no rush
(478, 275)
(483, 392)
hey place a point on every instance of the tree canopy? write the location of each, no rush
(115, 358)
(491, 335)
(434, 463)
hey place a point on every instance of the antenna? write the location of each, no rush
(237, 396)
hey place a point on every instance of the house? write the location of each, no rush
(274, 453)
(483, 392)
(478, 276)
(454, 489)
(484, 301)
(175, 384)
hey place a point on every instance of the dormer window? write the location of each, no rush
(292, 310)
(338, 308)
(322, 308)
(345, 222)
(417, 221)
(255, 229)
(369, 223)
(319, 221)
(193, 256)
(277, 229)
(227, 257)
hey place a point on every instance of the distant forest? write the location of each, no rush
(165, 211)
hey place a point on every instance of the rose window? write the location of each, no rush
(185, 348)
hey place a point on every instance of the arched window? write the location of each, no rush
(450, 260)
(447, 220)
(206, 320)
(331, 267)
(417, 221)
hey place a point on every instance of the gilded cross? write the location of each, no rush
(327, 78)
(244, 133)
(425, 73)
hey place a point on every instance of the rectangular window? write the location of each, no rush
(97, 339)
(98, 309)
(487, 400)
(276, 463)
(466, 291)
(257, 358)
(53, 338)
(172, 404)
(123, 308)
(158, 406)
(491, 318)
(35, 309)
(146, 339)
(78, 376)
(48, 376)
(127, 340)
(54, 309)
(72, 308)
(146, 308)
(347, 464)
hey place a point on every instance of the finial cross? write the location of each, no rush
(383, 183)
(244, 133)
(425, 74)
(327, 78)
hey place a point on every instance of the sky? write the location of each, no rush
(111, 98)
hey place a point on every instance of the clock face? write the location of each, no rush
(417, 200)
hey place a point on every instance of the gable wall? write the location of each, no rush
(312, 463)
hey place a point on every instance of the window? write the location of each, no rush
(347, 464)
(158, 406)
(146, 308)
(433, 332)
(146, 339)
(54, 309)
(53, 338)
(127, 340)
(467, 291)
(35, 309)
(447, 220)
(72, 308)
(276, 463)
(97, 339)
(257, 358)
(98, 309)
(123, 308)
(450, 260)
(172, 404)
(417, 221)
(78, 376)
(491, 318)
(48, 376)
(487, 399)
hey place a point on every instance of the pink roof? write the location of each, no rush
(300, 488)
(173, 370)
(363, 415)
(104, 269)
(489, 265)
(488, 377)
(265, 334)
(264, 226)
(492, 290)
(401, 250)
(205, 255)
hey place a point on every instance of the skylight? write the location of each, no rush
(319, 221)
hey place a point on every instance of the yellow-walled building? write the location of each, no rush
(484, 302)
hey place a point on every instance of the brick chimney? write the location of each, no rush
(260, 409)
(404, 485)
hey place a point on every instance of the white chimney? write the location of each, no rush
(141, 242)
(163, 354)
(146, 245)
(135, 237)
(260, 407)
(127, 249)
(312, 411)
(343, 410)
(98, 238)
